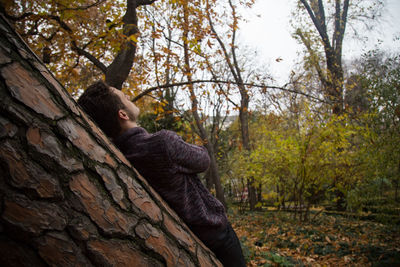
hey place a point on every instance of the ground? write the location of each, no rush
(273, 238)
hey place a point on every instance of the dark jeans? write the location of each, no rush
(226, 247)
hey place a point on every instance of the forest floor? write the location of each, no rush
(273, 238)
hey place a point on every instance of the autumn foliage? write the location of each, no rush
(325, 141)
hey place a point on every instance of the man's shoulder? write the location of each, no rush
(141, 143)
(169, 137)
(139, 135)
(165, 133)
(127, 136)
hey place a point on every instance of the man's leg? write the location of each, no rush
(227, 248)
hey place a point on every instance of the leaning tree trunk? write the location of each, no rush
(68, 196)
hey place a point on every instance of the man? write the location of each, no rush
(170, 165)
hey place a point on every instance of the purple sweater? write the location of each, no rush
(171, 166)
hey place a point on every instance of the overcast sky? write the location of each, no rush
(270, 34)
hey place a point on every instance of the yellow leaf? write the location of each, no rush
(133, 38)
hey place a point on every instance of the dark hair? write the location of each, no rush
(102, 105)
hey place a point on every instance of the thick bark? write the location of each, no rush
(68, 196)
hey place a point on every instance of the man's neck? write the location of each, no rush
(126, 125)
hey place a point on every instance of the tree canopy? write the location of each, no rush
(321, 137)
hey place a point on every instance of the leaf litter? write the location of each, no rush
(275, 239)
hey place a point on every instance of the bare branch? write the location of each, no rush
(321, 27)
(321, 12)
(151, 89)
(21, 17)
(219, 85)
(89, 56)
(228, 61)
(343, 22)
(337, 24)
(65, 8)
(313, 56)
(145, 2)
(62, 23)
(235, 61)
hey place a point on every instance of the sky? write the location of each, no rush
(268, 31)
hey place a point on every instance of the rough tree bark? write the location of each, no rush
(68, 197)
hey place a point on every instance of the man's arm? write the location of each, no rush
(191, 158)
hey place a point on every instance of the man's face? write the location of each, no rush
(131, 109)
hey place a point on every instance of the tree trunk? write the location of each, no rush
(117, 72)
(332, 79)
(68, 196)
(278, 197)
(334, 86)
(396, 182)
(203, 134)
(244, 127)
(235, 70)
(259, 192)
(208, 178)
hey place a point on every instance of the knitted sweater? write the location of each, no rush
(171, 166)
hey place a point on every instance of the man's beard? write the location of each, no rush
(132, 116)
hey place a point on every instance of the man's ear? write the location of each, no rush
(123, 115)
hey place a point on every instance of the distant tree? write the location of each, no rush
(382, 80)
(228, 49)
(356, 99)
(321, 27)
(322, 32)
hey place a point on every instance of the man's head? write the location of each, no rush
(110, 108)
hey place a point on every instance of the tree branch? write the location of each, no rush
(151, 89)
(343, 22)
(322, 18)
(228, 61)
(119, 69)
(337, 24)
(313, 56)
(65, 8)
(62, 23)
(235, 62)
(89, 56)
(320, 26)
(145, 2)
(13, 18)
(219, 85)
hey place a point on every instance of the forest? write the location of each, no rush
(308, 169)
